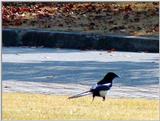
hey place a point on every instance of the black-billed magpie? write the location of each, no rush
(100, 89)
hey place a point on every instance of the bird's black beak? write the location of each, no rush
(118, 76)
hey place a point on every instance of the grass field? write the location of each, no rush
(23, 106)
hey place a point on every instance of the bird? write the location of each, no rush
(100, 88)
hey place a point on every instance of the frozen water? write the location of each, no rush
(67, 72)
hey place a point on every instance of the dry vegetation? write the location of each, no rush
(23, 106)
(135, 18)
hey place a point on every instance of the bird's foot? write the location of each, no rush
(104, 98)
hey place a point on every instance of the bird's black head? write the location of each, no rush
(110, 75)
(108, 78)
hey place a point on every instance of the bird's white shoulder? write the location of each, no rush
(97, 85)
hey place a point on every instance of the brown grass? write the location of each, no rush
(23, 106)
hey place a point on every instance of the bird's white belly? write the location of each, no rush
(103, 93)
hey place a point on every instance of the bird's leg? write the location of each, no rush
(93, 98)
(104, 98)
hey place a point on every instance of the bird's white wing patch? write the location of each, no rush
(94, 86)
(107, 84)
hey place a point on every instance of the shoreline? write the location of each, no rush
(57, 89)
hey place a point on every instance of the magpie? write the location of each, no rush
(101, 88)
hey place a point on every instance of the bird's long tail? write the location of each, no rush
(80, 95)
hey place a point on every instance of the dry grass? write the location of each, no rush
(23, 106)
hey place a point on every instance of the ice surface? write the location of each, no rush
(67, 72)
